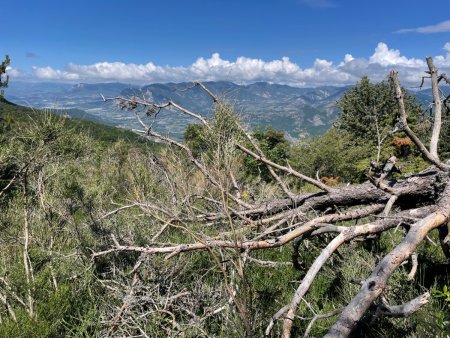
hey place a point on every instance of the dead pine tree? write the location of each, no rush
(418, 203)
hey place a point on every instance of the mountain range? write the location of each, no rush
(296, 111)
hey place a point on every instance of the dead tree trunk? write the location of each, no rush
(422, 202)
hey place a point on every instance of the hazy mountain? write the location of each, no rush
(80, 100)
(297, 111)
(425, 96)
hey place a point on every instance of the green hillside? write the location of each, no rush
(12, 115)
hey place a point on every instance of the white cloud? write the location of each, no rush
(440, 27)
(14, 72)
(348, 58)
(447, 47)
(443, 61)
(113, 70)
(247, 70)
(242, 70)
(48, 73)
(391, 57)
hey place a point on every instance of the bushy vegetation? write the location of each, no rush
(363, 133)
(56, 175)
(4, 81)
(70, 188)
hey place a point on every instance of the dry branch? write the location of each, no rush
(308, 215)
(347, 234)
(287, 170)
(403, 119)
(403, 310)
(376, 283)
(320, 316)
(246, 244)
(437, 109)
(415, 264)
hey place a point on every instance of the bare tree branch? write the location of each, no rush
(320, 316)
(415, 264)
(287, 170)
(376, 283)
(403, 119)
(403, 310)
(245, 244)
(152, 105)
(346, 235)
(275, 222)
(437, 109)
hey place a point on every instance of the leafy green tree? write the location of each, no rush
(370, 109)
(335, 154)
(273, 143)
(362, 133)
(4, 82)
(368, 117)
(194, 138)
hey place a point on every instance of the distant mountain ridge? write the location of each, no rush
(297, 111)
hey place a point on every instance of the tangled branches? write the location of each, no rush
(418, 203)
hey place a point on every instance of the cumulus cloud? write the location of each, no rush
(391, 57)
(14, 72)
(447, 47)
(440, 27)
(348, 58)
(443, 61)
(248, 70)
(48, 73)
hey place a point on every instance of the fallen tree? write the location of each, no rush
(418, 203)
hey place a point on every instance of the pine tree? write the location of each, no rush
(4, 82)
(371, 106)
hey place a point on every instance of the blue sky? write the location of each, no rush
(242, 41)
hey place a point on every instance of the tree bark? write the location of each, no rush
(376, 283)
